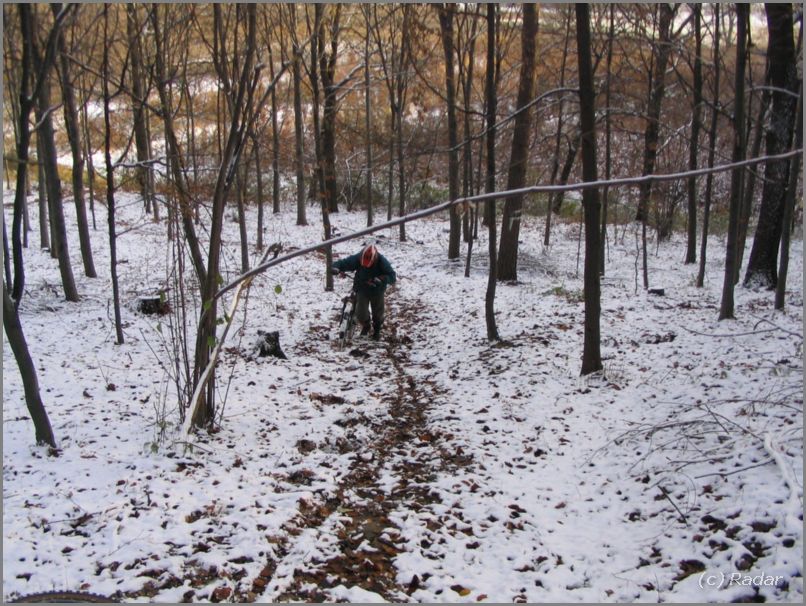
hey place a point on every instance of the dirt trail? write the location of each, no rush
(403, 446)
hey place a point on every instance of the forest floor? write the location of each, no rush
(431, 466)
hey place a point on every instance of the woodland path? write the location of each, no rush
(389, 472)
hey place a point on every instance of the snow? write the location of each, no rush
(431, 467)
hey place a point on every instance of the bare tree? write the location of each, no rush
(516, 176)
(446, 12)
(789, 208)
(71, 124)
(110, 180)
(662, 51)
(145, 174)
(691, 184)
(365, 10)
(30, 383)
(555, 165)
(491, 102)
(712, 132)
(296, 77)
(49, 159)
(591, 354)
(726, 306)
(761, 266)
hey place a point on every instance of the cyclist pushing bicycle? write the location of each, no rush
(373, 273)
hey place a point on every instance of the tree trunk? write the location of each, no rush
(299, 162)
(259, 185)
(565, 173)
(662, 51)
(608, 138)
(726, 307)
(709, 179)
(446, 13)
(368, 116)
(491, 101)
(74, 137)
(275, 140)
(54, 190)
(750, 182)
(317, 54)
(173, 150)
(19, 346)
(555, 165)
(110, 184)
(329, 90)
(138, 111)
(42, 198)
(691, 184)
(789, 208)
(87, 151)
(204, 408)
(402, 84)
(761, 267)
(516, 178)
(591, 355)
(239, 198)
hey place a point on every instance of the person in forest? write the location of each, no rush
(373, 273)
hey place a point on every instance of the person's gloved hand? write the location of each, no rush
(335, 270)
(377, 281)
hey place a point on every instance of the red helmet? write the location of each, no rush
(368, 256)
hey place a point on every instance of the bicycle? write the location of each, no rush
(347, 318)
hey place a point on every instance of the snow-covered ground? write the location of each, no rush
(430, 467)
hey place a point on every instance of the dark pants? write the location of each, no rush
(362, 305)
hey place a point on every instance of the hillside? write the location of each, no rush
(431, 466)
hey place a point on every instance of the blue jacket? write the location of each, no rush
(381, 269)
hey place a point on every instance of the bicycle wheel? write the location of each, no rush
(346, 326)
(63, 597)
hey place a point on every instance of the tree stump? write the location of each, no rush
(152, 305)
(268, 344)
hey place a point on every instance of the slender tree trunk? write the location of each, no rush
(762, 264)
(651, 134)
(42, 197)
(173, 150)
(608, 136)
(691, 184)
(555, 165)
(110, 184)
(74, 137)
(491, 100)
(204, 408)
(19, 346)
(516, 178)
(259, 185)
(328, 74)
(275, 140)
(298, 152)
(591, 355)
(402, 83)
(565, 173)
(726, 307)
(87, 150)
(138, 111)
(239, 198)
(368, 116)
(54, 190)
(750, 183)
(391, 180)
(789, 209)
(317, 54)
(446, 13)
(709, 179)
